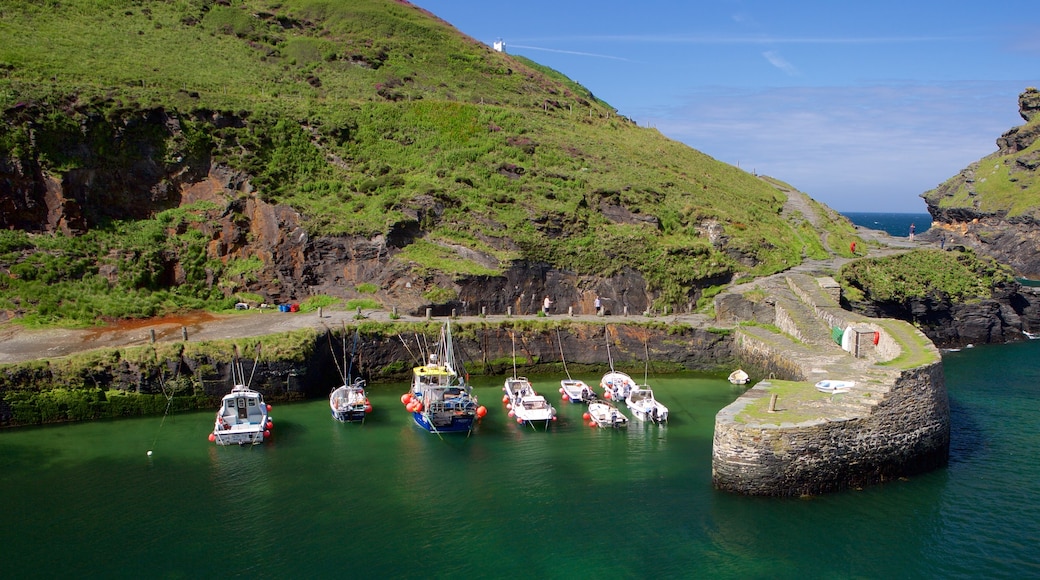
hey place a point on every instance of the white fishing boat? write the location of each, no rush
(571, 389)
(349, 401)
(605, 414)
(527, 406)
(616, 385)
(440, 400)
(738, 377)
(645, 407)
(576, 391)
(243, 417)
(834, 387)
(524, 404)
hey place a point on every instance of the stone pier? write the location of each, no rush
(893, 422)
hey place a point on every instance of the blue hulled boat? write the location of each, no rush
(440, 401)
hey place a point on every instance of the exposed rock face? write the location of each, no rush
(1010, 236)
(135, 177)
(1007, 317)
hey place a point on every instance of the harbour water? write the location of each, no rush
(387, 500)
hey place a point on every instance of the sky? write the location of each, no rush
(862, 105)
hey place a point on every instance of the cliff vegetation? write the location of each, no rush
(188, 154)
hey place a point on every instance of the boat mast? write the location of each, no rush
(562, 358)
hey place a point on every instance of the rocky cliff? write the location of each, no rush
(993, 205)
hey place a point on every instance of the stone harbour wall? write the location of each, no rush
(906, 433)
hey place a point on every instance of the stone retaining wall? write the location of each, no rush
(907, 433)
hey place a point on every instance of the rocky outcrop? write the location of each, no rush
(137, 163)
(1012, 314)
(986, 207)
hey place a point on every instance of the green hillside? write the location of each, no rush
(365, 117)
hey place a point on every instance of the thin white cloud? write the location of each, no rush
(575, 52)
(780, 62)
(753, 39)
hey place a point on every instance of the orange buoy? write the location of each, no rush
(561, 389)
(505, 398)
(481, 411)
(586, 416)
(592, 424)
(566, 397)
(212, 437)
(270, 425)
(511, 414)
(368, 407)
(268, 408)
(405, 398)
(418, 406)
(267, 433)
(519, 421)
(606, 395)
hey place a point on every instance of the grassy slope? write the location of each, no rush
(359, 111)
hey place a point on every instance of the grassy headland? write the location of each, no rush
(360, 116)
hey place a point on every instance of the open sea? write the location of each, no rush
(384, 499)
(895, 224)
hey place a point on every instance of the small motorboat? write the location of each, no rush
(349, 402)
(604, 414)
(617, 385)
(243, 417)
(645, 407)
(571, 389)
(527, 406)
(738, 377)
(576, 391)
(832, 387)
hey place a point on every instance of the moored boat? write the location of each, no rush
(571, 389)
(527, 406)
(576, 391)
(738, 377)
(242, 418)
(440, 401)
(645, 407)
(605, 414)
(349, 401)
(617, 385)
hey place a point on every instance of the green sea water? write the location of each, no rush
(387, 500)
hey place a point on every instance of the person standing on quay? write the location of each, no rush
(599, 306)
(545, 305)
(911, 232)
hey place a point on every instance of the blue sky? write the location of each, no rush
(862, 105)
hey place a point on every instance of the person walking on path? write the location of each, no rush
(545, 305)
(599, 306)
(911, 232)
